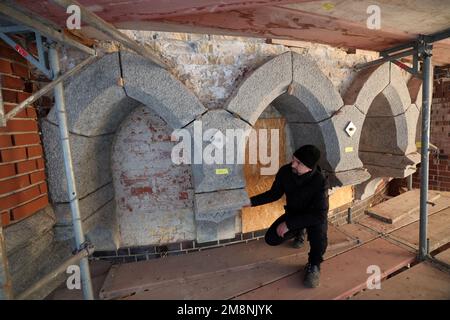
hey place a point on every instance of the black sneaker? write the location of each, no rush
(312, 276)
(298, 243)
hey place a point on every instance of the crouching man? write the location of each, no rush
(306, 190)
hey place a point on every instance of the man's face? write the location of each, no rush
(298, 167)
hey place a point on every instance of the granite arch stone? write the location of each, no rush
(96, 106)
(313, 108)
(389, 127)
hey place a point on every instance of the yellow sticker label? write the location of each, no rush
(222, 171)
(348, 149)
(328, 6)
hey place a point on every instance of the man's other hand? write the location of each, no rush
(282, 229)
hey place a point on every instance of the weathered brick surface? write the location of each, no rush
(35, 151)
(26, 166)
(5, 219)
(439, 165)
(29, 208)
(21, 125)
(11, 155)
(7, 170)
(11, 201)
(23, 190)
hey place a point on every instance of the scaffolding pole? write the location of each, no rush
(425, 144)
(38, 28)
(71, 187)
(28, 293)
(32, 98)
(47, 31)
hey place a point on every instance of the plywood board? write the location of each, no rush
(421, 282)
(126, 279)
(314, 21)
(359, 232)
(341, 276)
(262, 217)
(444, 256)
(438, 231)
(399, 207)
(442, 203)
(227, 285)
(99, 270)
(340, 197)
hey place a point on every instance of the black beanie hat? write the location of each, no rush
(308, 154)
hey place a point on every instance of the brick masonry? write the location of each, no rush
(23, 187)
(439, 164)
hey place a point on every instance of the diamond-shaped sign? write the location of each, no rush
(350, 129)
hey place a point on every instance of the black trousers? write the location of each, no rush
(317, 237)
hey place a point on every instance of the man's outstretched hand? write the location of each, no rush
(282, 229)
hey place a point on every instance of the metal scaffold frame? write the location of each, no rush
(83, 249)
(421, 50)
(26, 23)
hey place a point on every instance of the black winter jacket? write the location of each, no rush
(306, 196)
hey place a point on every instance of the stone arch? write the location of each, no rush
(387, 139)
(415, 92)
(96, 105)
(313, 108)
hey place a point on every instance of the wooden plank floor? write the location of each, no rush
(177, 273)
(253, 270)
(256, 271)
(444, 256)
(421, 282)
(341, 276)
(99, 271)
(438, 231)
(379, 226)
(404, 205)
(225, 285)
(358, 231)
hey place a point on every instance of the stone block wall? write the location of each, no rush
(226, 82)
(212, 66)
(337, 217)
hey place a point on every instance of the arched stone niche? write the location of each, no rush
(387, 144)
(96, 106)
(312, 107)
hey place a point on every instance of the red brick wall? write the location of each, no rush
(440, 137)
(23, 187)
